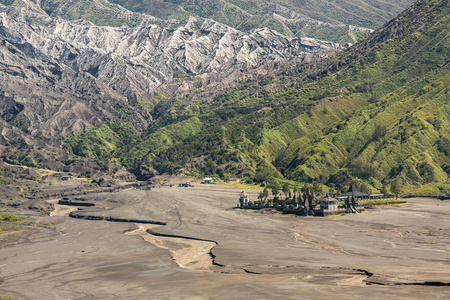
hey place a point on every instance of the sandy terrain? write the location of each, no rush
(187, 253)
(61, 210)
(385, 253)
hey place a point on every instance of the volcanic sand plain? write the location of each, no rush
(191, 243)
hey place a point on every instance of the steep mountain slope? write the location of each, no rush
(358, 13)
(400, 128)
(136, 62)
(256, 105)
(328, 20)
(378, 113)
(44, 98)
(40, 100)
(337, 21)
(66, 76)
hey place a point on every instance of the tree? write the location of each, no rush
(266, 193)
(317, 188)
(396, 187)
(365, 188)
(286, 189)
(275, 190)
(332, 191)
(261, 196)
(385, 190)
(306, 187)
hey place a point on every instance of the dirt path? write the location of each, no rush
(187, 253)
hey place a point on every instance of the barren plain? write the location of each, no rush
(190, 243)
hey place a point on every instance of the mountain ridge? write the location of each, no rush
(287, 17)
(369, 114)
(64, 77)
(376, 113)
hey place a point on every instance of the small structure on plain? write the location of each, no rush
(243, 199)
(209, 180)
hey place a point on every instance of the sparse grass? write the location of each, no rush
(384, 202)
(238, 184)
(12, 218)
(6, 297)
(9, 228)
(15, 236)
(42, 224)
(427, 242)
(332, 216)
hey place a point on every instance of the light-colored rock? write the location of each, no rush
(137, 61)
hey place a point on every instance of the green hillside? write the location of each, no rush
(378, 113)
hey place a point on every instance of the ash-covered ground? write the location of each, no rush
(189, 243)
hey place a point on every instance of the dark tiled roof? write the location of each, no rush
(353, 191)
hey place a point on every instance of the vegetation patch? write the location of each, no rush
(53, 223)
(9, 228)
(6, 297)
(16, 236)
(12, 218)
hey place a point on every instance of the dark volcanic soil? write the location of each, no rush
(385, 253)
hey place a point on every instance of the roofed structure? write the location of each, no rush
(353, 192)
(328, 203)
(243, 194)
(243, 199)
(209, 180)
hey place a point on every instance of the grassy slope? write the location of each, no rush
(391, 116)
(377, 113)
(382, 114)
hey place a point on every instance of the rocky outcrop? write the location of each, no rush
(68, 75)
(45, 96)
(136, 61)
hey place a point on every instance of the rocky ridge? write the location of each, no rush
(68, 75)
(287, 19)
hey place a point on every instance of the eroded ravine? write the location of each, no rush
(61, 210)
(187, 253)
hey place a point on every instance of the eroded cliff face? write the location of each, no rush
(136, 61)
(64, 76)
